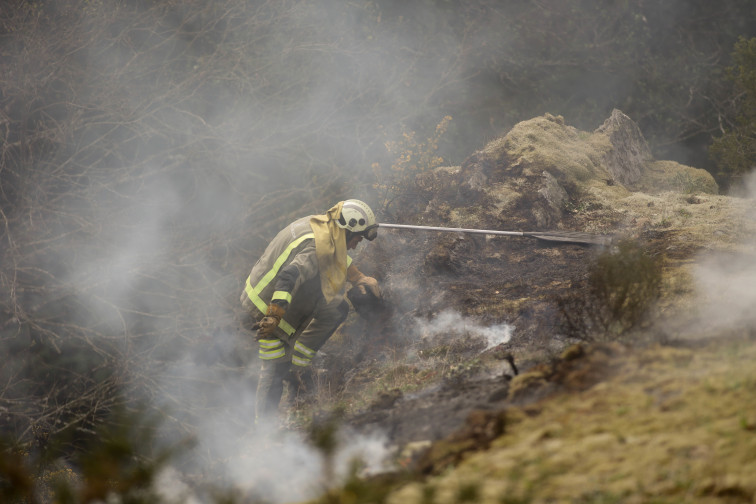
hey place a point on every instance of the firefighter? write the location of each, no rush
(294, 294)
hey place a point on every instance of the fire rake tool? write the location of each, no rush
(575, 237)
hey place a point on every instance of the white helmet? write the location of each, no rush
(358, 218)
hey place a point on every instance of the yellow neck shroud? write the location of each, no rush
(330, 247)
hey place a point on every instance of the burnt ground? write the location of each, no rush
(489, 281)
(512, 280)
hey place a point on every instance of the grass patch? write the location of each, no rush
(579, 449)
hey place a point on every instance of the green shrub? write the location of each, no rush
(735, 151)
(119, 463)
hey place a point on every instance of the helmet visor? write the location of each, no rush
(370, 233)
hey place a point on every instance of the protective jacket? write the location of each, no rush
(288, 274)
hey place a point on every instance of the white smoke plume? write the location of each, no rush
(261, 460)
(450, 321)
(727, 286)
(726, 282)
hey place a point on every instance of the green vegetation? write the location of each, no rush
(118, 460)
(683, 435)
(672, 176)
(735, 150)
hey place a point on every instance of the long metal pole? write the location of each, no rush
(550, 236)
(454, 230)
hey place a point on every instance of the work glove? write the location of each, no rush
(270, 321)
(363, 282)
(366, 284)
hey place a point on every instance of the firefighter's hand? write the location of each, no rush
(366, 283)
(270, 321)
(363, 282)
(266, 326)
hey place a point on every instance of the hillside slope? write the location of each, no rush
(547, 176)
(668, 424)
(665, 412)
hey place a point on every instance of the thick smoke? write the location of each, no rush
(204, 176)
(214, 408)
(194, 132)
(726, 282)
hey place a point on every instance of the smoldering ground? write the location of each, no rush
(450, 321)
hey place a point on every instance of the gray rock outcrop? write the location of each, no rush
(630, 154)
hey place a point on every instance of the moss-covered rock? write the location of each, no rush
(543, 173)
(672, 176)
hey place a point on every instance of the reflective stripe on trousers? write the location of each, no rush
(271, 349)
(302, 355)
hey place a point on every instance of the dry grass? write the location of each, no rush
(673, 425)
(547, 143)
(672, 176)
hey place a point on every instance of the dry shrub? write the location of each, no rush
(410, 158)
(620, 290)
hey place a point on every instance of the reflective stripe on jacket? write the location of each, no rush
(293, 247)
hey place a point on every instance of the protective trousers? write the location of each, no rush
(283, 356)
